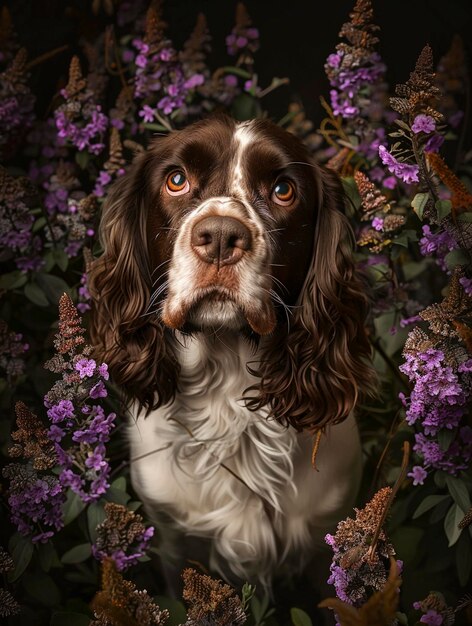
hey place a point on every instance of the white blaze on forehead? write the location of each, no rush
(243, 137)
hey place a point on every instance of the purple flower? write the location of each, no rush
(98, 391)
(418, 474)
(466, 284)
(434, 143)
(147, 113)
(377, 223)
(35, 502)
(194, 81)
(103, 371)
(61, 411)
(423, 124)
(86, 367)
(406, 172)
(432, 617)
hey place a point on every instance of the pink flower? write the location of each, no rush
(418, 474)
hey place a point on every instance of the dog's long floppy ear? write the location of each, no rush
(134, 345)
(313, 369)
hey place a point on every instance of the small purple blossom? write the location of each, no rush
(147, 113)
(86, 367)
(406, 172)
(377, 223)
(418, 474)
(432, 618)
(423, 124)
(64, 410)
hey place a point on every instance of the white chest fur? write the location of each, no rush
(231, 475)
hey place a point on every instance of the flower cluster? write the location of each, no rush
(79, 426)
(35, 501)
(16, 104)
(211, 602)
(80, 120)
(12, 351)
(378, 211)
(8, 604)
(17, 238)
(159, 76)
(122, 537)
(31, 439)
(243, 41)
(439, 368)
(120, 602)
(356, 570)
(435, 611)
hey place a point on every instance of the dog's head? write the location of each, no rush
(232, 226)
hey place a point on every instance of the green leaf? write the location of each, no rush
(459, 492)
(71, 619)
(47, 556)
(451, 524)
(419, 203)
(429, 503)
(39, 224)
(300, 618)
(238, 71)
(21, 550)
(82, 159)
(352, 192)
(405, 237)
(443, 208)
(464, 217)
(456, 257)
(119, 483)
(60, 258)
(52, 286)
(154, 126)
(95, 516)
(403, 125)
(36, 295)
(42, 588)
(245, 107)
(13, 280)
(73, 507)
(77, 554)
(464, 559)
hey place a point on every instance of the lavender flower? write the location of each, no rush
(35, 502)
(80, 120)
(418, 474)
(122, 537)
(12, 353)
(435, 610)
(354, 574)
(79, 427)
(437, 244)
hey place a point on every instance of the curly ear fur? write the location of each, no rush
(135, 346)
(313, 369)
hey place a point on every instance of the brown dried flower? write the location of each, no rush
(120, 603)
(466, 520)
(461, 199)
(70, 332)
(212, 602)
(380, 608)
(372, 200)
(31, 439)
(8, 604)
(6, 562)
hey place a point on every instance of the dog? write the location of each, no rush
(229, 310)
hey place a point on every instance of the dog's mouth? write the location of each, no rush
(218, 308)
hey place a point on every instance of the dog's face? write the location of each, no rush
(232, 226)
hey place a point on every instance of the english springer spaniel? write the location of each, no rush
(228, 309)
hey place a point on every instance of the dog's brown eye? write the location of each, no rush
(177, 183)
(283, 193)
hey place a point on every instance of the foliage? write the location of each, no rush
(71, 511)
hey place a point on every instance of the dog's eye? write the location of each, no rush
(283, 193)
(177, 183)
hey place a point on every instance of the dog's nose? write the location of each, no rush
(220, 240)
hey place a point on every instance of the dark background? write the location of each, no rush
(296, 37)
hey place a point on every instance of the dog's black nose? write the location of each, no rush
(220, 240)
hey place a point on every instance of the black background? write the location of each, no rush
(296, 37)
